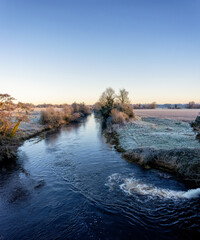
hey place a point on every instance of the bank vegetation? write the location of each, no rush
(114, 108)
(19, 121)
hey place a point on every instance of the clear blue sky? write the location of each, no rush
(69, 50)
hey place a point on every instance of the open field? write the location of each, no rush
(178, 114)
(157, 133)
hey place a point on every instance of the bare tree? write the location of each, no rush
(153, 105)
(191, 105)
(123, 96)
(107, 97)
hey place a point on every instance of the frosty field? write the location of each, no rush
(157, 133)
(179, 114)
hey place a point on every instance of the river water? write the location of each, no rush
(74, 185)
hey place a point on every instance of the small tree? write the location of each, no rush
(153, 105)
(107, 102)
(125, 108)
(123, 97)
(76, 107)
(108, 96)
(11, 115)
(191, 105)
(84, 109)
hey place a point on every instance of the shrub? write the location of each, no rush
(152, 105)
(11, 115)
(118, 117)
(81, 108)
(84, 109)
(76, 107)
(52, 117)
(75, 117)
(68, 111)
(126, 108)
(109, 101)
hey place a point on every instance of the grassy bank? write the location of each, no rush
(166, 144)
(40, 121)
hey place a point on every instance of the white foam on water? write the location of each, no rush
(132, 186)
(193, 193)
(113, 180)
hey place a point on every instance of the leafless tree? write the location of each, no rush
(123, 96)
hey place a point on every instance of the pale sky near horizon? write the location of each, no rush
(58, 51)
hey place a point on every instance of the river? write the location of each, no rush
(72, 184)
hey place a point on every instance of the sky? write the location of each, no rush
(61, 51)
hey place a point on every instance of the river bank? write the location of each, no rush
(9, 146)
(167, 144)
(196, 126)
(27, 130)
(71, 184)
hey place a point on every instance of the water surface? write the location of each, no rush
(74, 185)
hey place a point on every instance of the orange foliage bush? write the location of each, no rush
(11, 115)
(118, 117)
(75, 117)
(68, 113)
(52, 117)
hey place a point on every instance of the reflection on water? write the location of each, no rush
(73, 185)
(16, 184)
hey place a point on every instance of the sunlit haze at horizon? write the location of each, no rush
(66, 51)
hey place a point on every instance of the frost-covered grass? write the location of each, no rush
(31, 127)
(157, 133)
(178, 114)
